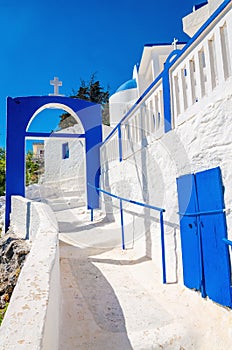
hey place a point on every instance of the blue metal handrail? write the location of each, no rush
(199, 213)
(160, 210)
(227, 241)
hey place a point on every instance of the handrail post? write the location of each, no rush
(91, 214)
(122, 225)
(163, 246)
(161, 211)
(120, 142)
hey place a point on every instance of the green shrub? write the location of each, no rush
(2, 313)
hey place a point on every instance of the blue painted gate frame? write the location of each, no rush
(20, 110)
(206, 261)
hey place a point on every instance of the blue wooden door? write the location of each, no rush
(189, 233)
(206, 261)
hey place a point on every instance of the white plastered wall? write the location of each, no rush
(202, 142)
(65, 174)
(120, 103)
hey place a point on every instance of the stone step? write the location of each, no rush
(77, 193)
(70, 203)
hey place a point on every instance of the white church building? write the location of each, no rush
(170, 146)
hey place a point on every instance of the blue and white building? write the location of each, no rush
(172, 147)
(171, 150)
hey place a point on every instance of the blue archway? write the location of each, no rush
(20, 111)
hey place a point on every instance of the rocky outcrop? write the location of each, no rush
(13, 252)
(2, 212)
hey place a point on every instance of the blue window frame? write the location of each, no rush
(65, 150)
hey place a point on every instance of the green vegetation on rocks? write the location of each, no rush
(13, 252)
(2, 313)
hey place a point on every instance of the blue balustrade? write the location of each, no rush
(160, 210)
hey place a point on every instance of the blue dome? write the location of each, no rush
(130, 84)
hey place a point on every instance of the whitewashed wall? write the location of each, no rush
(65, 174)
(120, 103)
(199, 143)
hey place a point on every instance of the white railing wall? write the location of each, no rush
(144, 123)
(197, 76)
(203, 70)
(110, 150)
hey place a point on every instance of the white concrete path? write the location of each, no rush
(114, 299)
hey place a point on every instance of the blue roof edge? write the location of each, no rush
(165, 44)
(198, 6)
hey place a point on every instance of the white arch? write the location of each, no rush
(55, 105)
(69, 110)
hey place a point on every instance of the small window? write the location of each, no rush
(65, 151)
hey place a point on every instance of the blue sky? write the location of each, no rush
(72, 39)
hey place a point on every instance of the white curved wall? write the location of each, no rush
(120, 103)
(32, 318)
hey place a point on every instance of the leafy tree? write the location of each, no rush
(32, 168)
(2, 171)
(89, 91)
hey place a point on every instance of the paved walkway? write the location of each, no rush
(113, 299)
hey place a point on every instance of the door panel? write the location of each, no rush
(206, 261)
(188, 229)
(216, 261)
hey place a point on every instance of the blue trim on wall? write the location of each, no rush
(53, 135)
(171, 56)
(167, 101)
(120, 143)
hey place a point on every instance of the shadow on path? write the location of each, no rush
(92, 317)
(74, 226)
